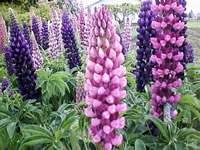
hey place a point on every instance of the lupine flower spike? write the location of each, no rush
(87, 29)
(3, 33)
(145, 50)
(26, 33)
(81, 23)
(8, 61)
(22, 61)
(167, 58)
(105, 81)
(72, 53)
(44, 35)
(35, 28)
(36, 54)
(80, 91)
(127, 34)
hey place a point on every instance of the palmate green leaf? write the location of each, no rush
(43, 74)
(196, 112)
(139, 145)
(68, 121)
(160, 125)
(11, 127)
(186, 134)
(4, 122)
(5, 112)
(37, 130)
(35, 140)
(59, 75)
(188, 99)
(181, 146)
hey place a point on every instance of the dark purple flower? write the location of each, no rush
(145, 50)
(124, 49)
(189, 53)
(27, 35)
(36, 29)
(44, 35)
(69, 41)
(22, 62)
(8, 61)
(4, 84)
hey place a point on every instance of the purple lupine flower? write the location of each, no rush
(105, 81)
(22, 62)
(72, 53)
(3, 33)
(55, 39)
(189, 54)
(35, 28)
(127, 34)
(167, 58)
(8, 61)
(81, 23)
(4, 84)
(145, 50)
(36, 54)
(124, 50)
(44, 35)
(80, 91)
(27, 34)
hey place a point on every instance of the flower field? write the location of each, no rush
(81, 78)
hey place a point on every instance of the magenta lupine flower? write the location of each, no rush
(105, 81)
(127, 34)
(87, 29)
(55, 36)
(3, 33)
(36, 54)
(81, 23)
(80, 91)
(167, 57)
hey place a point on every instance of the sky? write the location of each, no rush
(191, 4)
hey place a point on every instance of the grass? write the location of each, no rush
(193, 24)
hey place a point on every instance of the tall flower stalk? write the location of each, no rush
(3, 33)
(145, 50)
(167, 58)
(127, 34)
(80, 91)
(8, 60)
(22, 62)
(26, 33)
(72, 51)
(81, 23)
(105, 81)
(44, 35)
(35, 28)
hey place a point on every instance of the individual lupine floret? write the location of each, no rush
(44, 35)
(145, 32)
(72, 51)
(81, 23)
(35, 28)
(127, 33)
(8, 61)
(167, 58)
(80, 91)
(22, 62)
(3, 33)
(27, 35)
(105, 81)
(36, 54)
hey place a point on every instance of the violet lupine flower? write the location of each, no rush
(4, 84)
(74, 22)
(35, 28)
(127, 34)
(145, 32)
(80, 91)
(44, 35)
(167, 58)
(8, 61)
(22, 62)
(36, 54)
(72, 53)
(189, 54)
(27, 34)
(105, 81)
(2, 34)
(81, 23)
(55, 37)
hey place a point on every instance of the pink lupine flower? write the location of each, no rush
(167, 56)
(81, 23)
(105, 81)
(3, 33)
(36, 54)
(127, 34)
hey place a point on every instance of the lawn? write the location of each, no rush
(193, 24)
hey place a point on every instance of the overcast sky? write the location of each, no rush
(191, 4)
